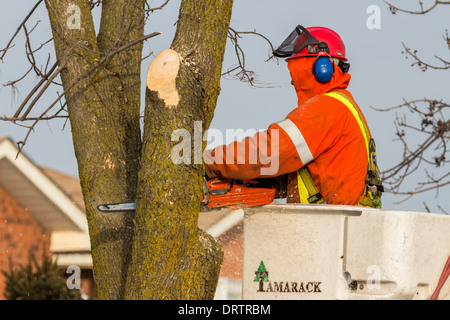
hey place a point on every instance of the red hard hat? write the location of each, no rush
(330, 37)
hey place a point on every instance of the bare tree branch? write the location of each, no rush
(149, 9)
(51, 75)
(22, 24)
(422, 64)
(394, 9)
(413, 53)
(430, 125)
(434, 126)
(240, 70)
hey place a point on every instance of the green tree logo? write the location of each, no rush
(262, 275)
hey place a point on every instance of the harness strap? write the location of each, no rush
(307, 188)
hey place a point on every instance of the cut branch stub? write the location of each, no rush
(161, 77)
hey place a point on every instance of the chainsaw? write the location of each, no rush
(217, 193)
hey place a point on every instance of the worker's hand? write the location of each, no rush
(279, 183)
(208, 173)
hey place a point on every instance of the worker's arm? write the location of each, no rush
(267, 154)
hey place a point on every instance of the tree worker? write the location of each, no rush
(323, 147)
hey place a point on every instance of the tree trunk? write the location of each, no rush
(158, 252)
(104, 115)
(172, 258)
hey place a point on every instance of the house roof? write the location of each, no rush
(35, 190)
(69, 184)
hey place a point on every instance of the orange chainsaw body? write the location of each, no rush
(222, 192)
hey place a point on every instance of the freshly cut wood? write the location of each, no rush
(161, 77)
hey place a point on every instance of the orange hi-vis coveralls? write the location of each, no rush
(321, 133)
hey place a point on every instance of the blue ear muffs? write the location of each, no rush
(323, 69)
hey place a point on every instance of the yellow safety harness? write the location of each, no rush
(372, 192)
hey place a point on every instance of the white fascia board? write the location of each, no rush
(82, 260)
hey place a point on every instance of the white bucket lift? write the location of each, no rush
(295, 251)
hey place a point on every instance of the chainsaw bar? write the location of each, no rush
(117, 207)
(217, 193)
(131, 206)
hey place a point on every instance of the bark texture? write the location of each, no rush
(180, 261)
(104, 115)
(172, 258)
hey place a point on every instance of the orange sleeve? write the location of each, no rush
(267, 154)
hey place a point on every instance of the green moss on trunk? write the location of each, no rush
(105, 131)
(171, 256)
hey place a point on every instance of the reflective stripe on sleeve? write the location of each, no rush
(297, 138)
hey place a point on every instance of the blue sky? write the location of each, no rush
(381, 76)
